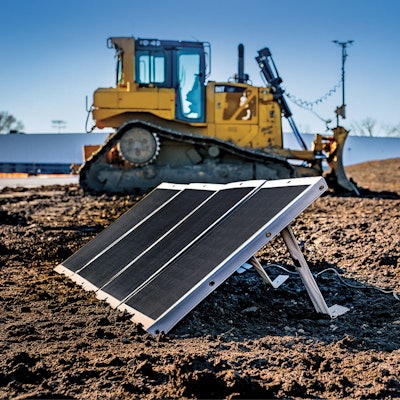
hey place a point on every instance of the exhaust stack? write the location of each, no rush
(241, 77)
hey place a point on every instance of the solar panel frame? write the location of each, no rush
(310, 189)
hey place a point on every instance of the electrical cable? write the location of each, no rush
(308, 105)
(363, 286)
(282, 268)
(326, 121)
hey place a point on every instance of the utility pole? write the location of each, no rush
(59, 124)
(341, 111)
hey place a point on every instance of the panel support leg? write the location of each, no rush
(307, 277)
(264, 276)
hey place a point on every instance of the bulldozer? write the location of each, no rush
(171, 124)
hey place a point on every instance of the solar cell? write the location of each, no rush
(172, 249)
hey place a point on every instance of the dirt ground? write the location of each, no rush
(245, 340)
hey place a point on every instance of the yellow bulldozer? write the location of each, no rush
(171, 124)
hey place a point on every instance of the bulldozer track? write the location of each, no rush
(180, 133)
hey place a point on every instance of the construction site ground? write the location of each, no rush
(246, 340)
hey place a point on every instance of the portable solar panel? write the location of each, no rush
(174, 247)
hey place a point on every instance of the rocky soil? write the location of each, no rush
(245, 340)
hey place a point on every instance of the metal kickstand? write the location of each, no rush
(307, 277)
(259, 268)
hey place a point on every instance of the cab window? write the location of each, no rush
(190, 85)
(151, 67)
(119, 67)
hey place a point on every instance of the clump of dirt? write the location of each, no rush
(245, 340)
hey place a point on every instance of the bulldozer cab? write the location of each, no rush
(153, 63)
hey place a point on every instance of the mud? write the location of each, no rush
(245, 340)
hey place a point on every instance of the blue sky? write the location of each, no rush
(54, 53)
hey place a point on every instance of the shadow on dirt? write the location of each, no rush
(368, 194)
(244, 308)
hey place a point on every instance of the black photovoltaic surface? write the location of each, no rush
(188, 231)
(212, 249)
(110, 263)
(161, 258)
(153, 200)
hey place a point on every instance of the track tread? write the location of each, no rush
(182, 133)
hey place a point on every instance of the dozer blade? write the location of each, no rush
(337, 176)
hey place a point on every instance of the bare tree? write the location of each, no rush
(369, 127)
(364, 128)
(8, 123)
(391, 130)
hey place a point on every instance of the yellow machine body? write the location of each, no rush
(253, 122)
